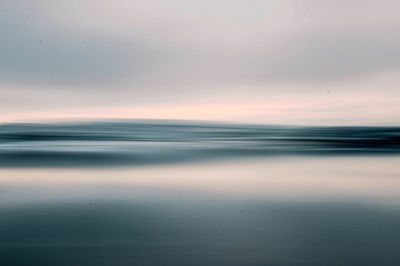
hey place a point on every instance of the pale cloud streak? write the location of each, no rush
(74, 55)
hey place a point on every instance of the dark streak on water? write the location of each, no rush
(113, 144)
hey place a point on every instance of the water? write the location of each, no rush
(198, 194)
(108, 144)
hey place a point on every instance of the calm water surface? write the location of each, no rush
(286, 211)
(192, 197)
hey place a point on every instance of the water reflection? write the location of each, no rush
(282, 211)
(186, 234)
(291, 178)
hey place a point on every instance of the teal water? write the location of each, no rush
(204, 196)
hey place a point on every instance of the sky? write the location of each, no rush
(332, 62)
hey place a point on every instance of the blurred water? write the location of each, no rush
(73, 194)
(109, 144)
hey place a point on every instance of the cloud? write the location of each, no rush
(37, 51)
(59, 55)
(180, 44)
